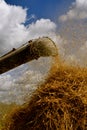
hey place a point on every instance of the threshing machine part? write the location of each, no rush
(33, 49)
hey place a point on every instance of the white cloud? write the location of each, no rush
(13, 33)
(4, 86)
(14, 88)
(42, 27)
(78, 11)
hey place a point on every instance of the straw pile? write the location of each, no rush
(58, 104)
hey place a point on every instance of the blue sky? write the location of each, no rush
(51, 9)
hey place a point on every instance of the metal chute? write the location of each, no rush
(33, 49)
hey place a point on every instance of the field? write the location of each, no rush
(4, 110)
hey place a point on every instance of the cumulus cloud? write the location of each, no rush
(14, 89)
(13, 32)
(42, 27)
(78, 11)
(15, 84)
